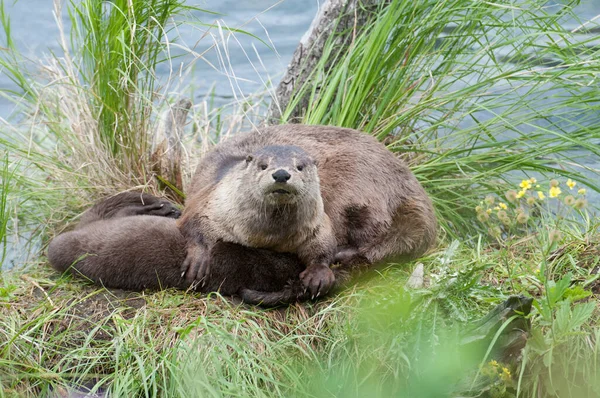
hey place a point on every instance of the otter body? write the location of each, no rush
(375, 206)
(146, 250)
(268, 198)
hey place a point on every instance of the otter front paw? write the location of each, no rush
(161, 209)
(196, 266)
(318, 279)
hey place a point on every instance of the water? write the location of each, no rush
(280, 23)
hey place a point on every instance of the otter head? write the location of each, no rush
(283, 174)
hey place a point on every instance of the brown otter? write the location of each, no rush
(268, 199)
(117, 250)
(376, 207)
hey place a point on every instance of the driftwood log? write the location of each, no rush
(342, 19)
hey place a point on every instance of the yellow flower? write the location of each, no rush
(532, 180)
(478, 209)
(555, 191)
(571, 184)
(582, 191)
(503, 206)
(505, 375)
(525, 184)
(497, 208)
(489, 211)
(541, 195)
(493, 363)
(521, 193)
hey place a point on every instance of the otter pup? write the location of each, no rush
(268, 199)
(145, 250)
(376, 207)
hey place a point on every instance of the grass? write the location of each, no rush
(470, 93)
(473, 95)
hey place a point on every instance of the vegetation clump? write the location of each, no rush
(474, 95)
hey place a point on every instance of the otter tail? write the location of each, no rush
(292, 292)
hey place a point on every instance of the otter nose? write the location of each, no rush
(281, 176)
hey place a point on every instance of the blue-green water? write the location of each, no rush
(279, 23)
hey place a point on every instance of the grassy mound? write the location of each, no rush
(488, 102)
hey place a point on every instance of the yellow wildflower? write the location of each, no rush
(489, 211)
(541, 195)
(532, 180)
(503, 206)
(525, 184)
(555, 191)
(478, 209)
(582, 191)
(493, 363)
(497, 208)
(505, 375)
(521, 193)
(571, 184)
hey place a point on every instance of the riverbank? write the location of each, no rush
(486, 107)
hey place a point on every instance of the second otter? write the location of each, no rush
(131, 241)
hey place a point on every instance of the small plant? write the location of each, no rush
(524, 211)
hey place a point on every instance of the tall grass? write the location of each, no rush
(5, 187)
(468, 92)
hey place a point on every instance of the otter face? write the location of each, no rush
(283, 174)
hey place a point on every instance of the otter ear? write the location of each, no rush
(249, 158)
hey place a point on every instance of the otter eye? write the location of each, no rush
(249, 158)
(263, 166)
(300, 168)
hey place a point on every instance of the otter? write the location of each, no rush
(131, 241)
(267, 199)
(375, 207)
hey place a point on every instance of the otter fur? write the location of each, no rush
(269, 198)
(376, 208)
(131, 241)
